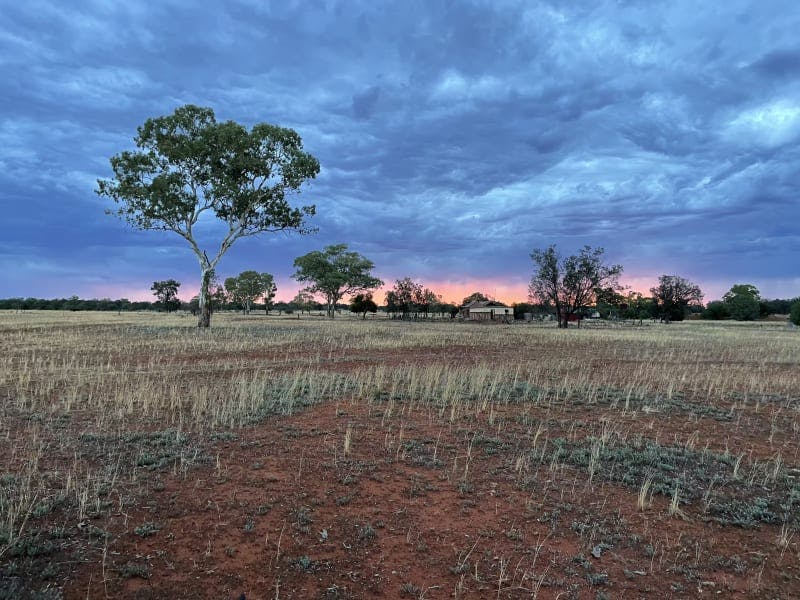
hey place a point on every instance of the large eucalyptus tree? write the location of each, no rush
(187, 165)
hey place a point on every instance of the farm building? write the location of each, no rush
(487, 310)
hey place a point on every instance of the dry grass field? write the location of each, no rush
(273, 457)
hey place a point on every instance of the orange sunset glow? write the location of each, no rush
(509, 291)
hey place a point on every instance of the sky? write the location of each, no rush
(454, 137)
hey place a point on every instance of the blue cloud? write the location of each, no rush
(453, 137)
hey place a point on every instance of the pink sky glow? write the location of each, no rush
(508, 291)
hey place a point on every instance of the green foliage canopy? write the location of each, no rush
(409, 296)
(304, 301)
(743, 302)
(166, 293)
(334, 273)
(248, 287)
(716, 311)
(187, 165)
(572, 282)
(362, 304)
(794, 312)
(673, 295)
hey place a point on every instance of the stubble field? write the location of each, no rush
(273, 457)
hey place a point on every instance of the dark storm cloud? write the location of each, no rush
(364, 103)
(454, 137)
(783, 63)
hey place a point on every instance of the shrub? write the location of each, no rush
(716, 310)
(794, 312)
(744, 308)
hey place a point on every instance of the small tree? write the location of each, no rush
(443, 308)
(639, 307)
(777, 306)
(193, 306)
(794, 312)
(334, 273)
(402, 297)
(233, 294)
(409, 296)
(270, 289)
(217, 296)
(426, 300)
(393, 303)
(716, 310)
(570, 283)
(743, 302)
(248, 287)
(74, 303)
(361, 304)
(610, 303)
(744, 308)
(673, 295)
(166, 293)
(188, 165)
(303, 301)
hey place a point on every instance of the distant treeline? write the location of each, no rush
(643, 308)
(779, 306)
(106, 304)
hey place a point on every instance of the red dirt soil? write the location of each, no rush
(281, 512)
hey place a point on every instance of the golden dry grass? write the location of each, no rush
(150, 365)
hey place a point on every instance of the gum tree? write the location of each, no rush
(408, 296)
(361, 304)
(166, 293)
(743, 302)
(673, 295)
(303, 301)
(187, 165)
(334, 273)
(249, 286)
(570, 283)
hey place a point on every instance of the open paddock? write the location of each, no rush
(279, 457)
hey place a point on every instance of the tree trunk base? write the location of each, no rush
(204, 320)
